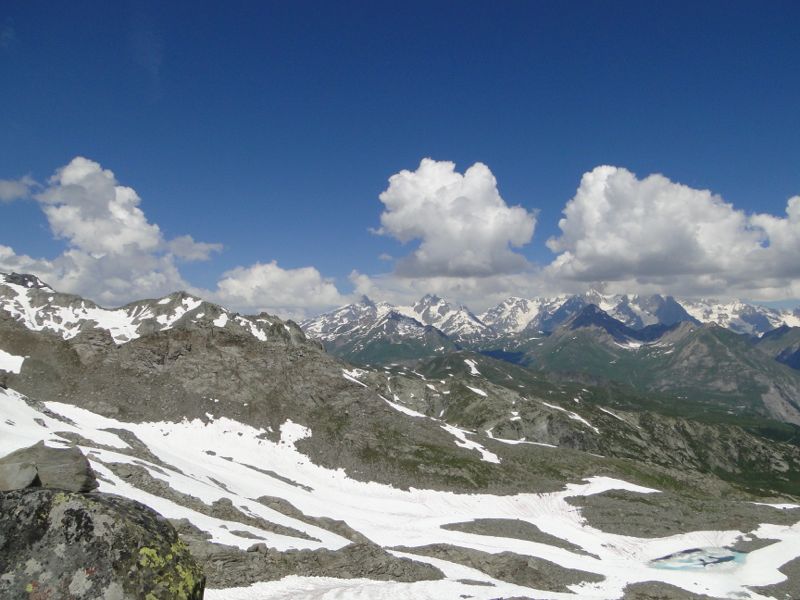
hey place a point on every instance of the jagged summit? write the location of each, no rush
(530, 317)
(38, 307)
(25, 280)
(366, 300)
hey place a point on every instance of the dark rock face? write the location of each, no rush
(56, 544)
(227, 566)
(507, 566)
(655, 590)
(41, 466)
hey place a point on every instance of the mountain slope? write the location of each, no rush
(229, 486)
(716, 368)
(366, 332)
(249, 436)
(457, 322)
(783, 344)
(516, 321)
(39, 308)
(521, 406)
(391, 338)
(739, 316)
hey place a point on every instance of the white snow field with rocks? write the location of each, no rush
(240, 466)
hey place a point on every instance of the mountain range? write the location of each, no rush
(454, 472)
(516, 316)
(734, 358)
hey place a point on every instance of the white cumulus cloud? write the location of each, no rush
(186, 248)
(464, 227)
(478, 293)
(85, 205)
(656, 234)
(293, 293)
(114, 254)
(15, 189)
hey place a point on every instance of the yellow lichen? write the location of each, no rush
(178, 580)
(149, 557)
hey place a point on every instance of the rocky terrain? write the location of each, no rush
(60, 540)
(652, 344)
(289, 473)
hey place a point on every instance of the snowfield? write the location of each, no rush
(10, 362)
(223, 458)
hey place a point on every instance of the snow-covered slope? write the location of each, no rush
(515, 314)
(349, 320)
(367, 331)
(638, 312)
(456, 321)
(39, 308)
(740, 316)
(357, 319)
(220, 459)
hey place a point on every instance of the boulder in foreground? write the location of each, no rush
(59, 544)
(43, 466)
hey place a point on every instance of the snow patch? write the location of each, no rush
(10, 362)
(473, 369)
(463, 442)
(572, 415)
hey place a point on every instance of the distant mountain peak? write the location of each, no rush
(25, 280)
(592, 315)
(365, 300)
(430, 300)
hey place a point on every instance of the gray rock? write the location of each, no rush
(659, 515)
(18, 476)
(512, 528)
(656, 590)
(227, 566)
(57, 544)
(507, 566)
(789, 588)
(40, 465)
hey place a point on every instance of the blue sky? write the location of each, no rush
(272, 129)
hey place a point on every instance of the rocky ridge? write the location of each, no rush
(316, 466)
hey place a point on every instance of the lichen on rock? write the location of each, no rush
(57, 544)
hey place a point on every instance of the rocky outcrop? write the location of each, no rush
(227, 566)
(655, 590)
(60, 544)
(58, 541)
(42, 466)
(507, 566)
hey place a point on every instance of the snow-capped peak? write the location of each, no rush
(740, 316)
(457, 321)
(38, 307)
(514, 314)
